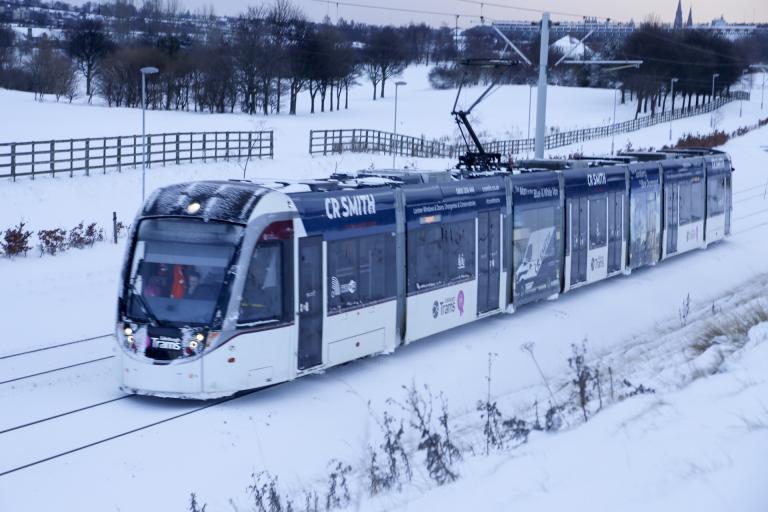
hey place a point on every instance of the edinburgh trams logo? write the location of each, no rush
(449, 305)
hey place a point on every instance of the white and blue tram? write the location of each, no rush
(231, 285)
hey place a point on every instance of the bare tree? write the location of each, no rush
(87, 44)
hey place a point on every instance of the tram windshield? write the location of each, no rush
(178, 270)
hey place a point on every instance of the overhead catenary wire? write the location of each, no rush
(531, 9)
(406, 10)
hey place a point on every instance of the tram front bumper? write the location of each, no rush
(179, 379)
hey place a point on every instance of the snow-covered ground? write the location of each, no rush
(699, 443)
(421, 111)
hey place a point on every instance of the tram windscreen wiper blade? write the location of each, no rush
(144, 305)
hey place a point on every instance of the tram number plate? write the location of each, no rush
(166, 344)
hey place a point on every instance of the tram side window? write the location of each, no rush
(697, 200)
(598, 222)
(684, 190)
(459, 240)
(268, 290)
(535, 234)
(440, 254)
(360, 272)
(715, 196)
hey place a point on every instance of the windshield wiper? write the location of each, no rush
(143, 303)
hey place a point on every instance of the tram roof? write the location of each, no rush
(231, 201)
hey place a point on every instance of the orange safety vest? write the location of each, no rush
(178, 288)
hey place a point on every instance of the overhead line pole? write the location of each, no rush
(541, 98)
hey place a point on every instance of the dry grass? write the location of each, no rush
(730, 327)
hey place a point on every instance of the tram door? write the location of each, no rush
(310, 302)
(489, 261)
(671, 196)
(579, 224)
(615, 230)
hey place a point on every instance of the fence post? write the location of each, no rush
(33, 159)
(177, 149)
(104, 155)
(271, 144)
(13, 161)
(215, 146)
(163, 150)
(119, 154)
(148, 154)
(71, 157)
(87, 157)
(250, 145)
(191, 149)
(226, 146)
(114, 226)
(51, 159)
(134, 151)
(325, 142)
(205, 151)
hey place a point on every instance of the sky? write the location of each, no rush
(703, 10)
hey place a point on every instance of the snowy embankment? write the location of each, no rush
(698, 442)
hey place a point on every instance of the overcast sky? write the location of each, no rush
(703, 10)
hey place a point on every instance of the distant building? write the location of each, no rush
(600, 29)
(575, 49)
(689, 23)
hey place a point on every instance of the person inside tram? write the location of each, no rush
(195, 289)
(159, 282)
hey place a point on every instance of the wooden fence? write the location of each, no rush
(358, 140)
(324, 142)
(67, 157)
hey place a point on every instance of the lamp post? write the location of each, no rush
(530, 97)
(672, 109)
(144, 72)
(394, 137)
(613, 122)
(712, 116)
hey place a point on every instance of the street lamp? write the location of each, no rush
(394, 137)
(672, 109)
(144, 72)
(613, 128)
(712, 116)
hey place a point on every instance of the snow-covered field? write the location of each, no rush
(421, 111)
(699, 443)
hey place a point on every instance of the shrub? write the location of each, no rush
(52, 241)
(80, 236)
(710, 140)
(16, 241)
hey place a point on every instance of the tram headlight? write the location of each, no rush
(128, 331)
(199, 337)
(130, 339)
(193, 344)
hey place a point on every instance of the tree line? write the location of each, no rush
(259, 63)
(690, 56)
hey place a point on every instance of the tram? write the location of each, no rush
(233, 285)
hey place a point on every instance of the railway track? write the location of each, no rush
(28, 364)
(25, 446)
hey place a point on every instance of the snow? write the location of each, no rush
(699, 443)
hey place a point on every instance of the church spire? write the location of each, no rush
(678, 16)
(689, 23)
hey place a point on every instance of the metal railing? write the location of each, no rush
(358, 140)
(67, 157)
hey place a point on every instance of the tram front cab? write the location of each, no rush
(206, 306)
